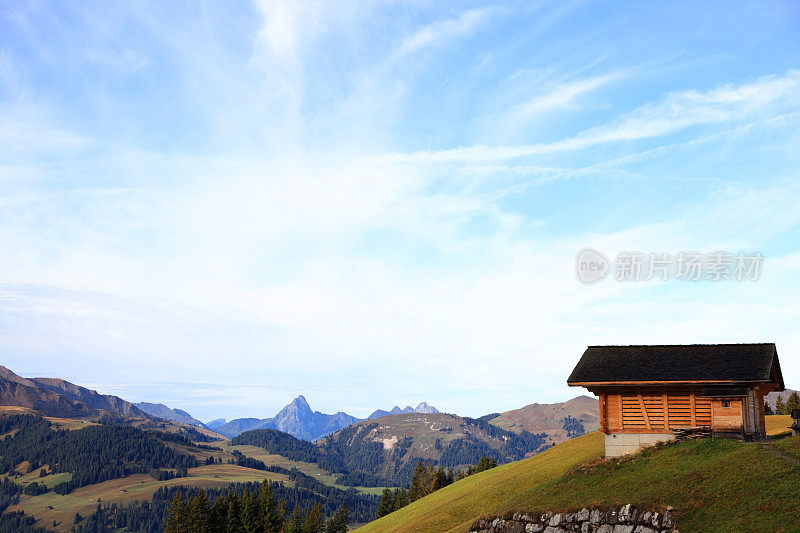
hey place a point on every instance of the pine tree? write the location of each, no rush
(296, 523)
(338, 523)
(780, 406)
(792, 403)
(268, 510)
(250, 515)
(439, 480)
(313, 522)
(233, 519)
(176, 521)
(400, 498)
(417, 489)
(768, 409)
(386, 505)
(197, 513)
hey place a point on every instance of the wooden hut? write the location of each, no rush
(655, 393)
(795, 427)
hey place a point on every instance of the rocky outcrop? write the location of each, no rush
(625, 519)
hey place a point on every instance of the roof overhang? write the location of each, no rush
(716, 391)
(683, 382)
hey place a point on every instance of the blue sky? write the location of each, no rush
(221, 206)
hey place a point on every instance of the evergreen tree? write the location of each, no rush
(177, 515)
(439, 480)
(197, 513)
(250, 514)
(313, 522)
(386, 504)
(400, 498)
(296, 523)
(338, 523)
(272, 521)
(233, 519)
(418, 487)
(768, 409)
(792, 403)
(780, 406)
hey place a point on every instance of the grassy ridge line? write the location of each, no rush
(455, 507)
(714, 484)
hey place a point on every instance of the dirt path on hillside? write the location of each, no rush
(776, 453)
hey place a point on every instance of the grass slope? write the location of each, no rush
(778, 425)
(714, 484)
(125, 490)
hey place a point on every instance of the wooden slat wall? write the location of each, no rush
(613, 410)
(728, 418)
(655, 409)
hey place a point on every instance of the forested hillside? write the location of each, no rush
(386, 451)
(92, 455)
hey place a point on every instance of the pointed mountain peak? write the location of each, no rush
(424, 407)
(301, 401)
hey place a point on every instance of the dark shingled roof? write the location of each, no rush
(678, 362)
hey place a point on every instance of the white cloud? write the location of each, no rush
(440, 32)
(675, 112)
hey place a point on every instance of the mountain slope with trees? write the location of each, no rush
(559, 420)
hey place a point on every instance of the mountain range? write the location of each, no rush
(421, 408)
(297, 419)
(162, 411)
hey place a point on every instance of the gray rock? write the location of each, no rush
(516, 516)
(526, 518)
(495, 522)
(514, 527)
(556, 520)
(623, 528)
(645, 529)
(645, 518)
(551, 529)
(655, 520)
(605, 528)
(669, 519)
(625, 513)
(583, 515)
(586, 527)
(534, 528)
(596, 517)
(569, 518)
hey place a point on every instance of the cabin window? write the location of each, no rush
(726, 403)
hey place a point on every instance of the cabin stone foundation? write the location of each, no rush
(625, 519)
(619, 444)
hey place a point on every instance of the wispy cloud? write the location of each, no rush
(443, 31)
(675, 112)
(264, 195)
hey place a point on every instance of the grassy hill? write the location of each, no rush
(715, 485)
(549, 417)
